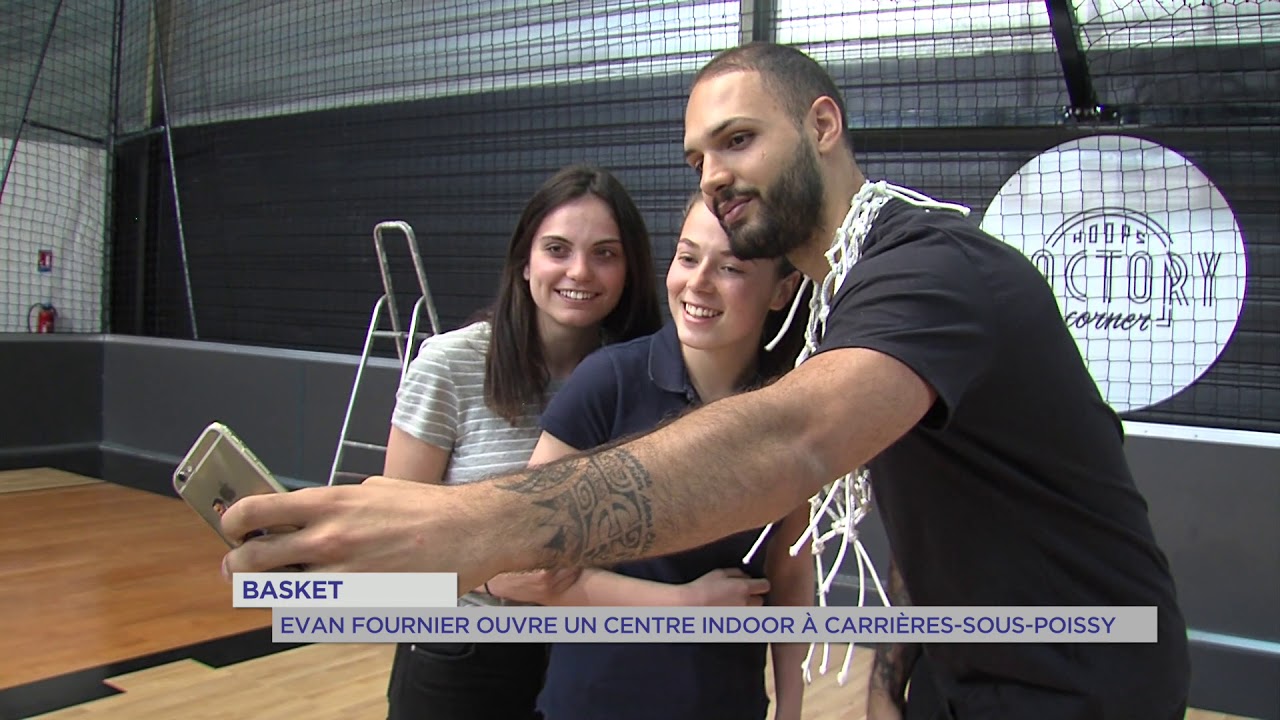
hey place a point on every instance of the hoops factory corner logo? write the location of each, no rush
(1143, 253)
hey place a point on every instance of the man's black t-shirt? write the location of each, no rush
(1014, 489)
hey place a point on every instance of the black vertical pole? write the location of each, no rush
(1081, 94)
(109, 219)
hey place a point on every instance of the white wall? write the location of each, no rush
(55, 198)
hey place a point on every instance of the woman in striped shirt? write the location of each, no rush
(578, 274)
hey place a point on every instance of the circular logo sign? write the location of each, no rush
(1143, 253)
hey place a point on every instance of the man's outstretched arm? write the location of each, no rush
(732, 465)
(735, 464)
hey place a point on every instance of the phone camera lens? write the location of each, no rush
(182, 477)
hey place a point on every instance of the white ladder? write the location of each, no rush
(406, 342)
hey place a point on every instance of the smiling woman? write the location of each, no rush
(573, 203)
(578, 274)
(724, 309)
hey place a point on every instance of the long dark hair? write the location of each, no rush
(516, 375)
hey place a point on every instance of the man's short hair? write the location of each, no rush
(792, 77)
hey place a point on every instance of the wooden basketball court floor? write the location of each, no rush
(111, 606)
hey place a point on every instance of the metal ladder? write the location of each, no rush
(406, 342)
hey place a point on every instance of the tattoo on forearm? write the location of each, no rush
(894, 662)
(886, 671)
(897, 588)
(598, 506)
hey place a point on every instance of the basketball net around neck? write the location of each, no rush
(837, 509)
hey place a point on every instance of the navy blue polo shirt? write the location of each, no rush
(619, 390)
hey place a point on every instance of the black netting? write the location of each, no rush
(292, 128)
(55, 99)
(1202, 79)
(296, 129)
(1129, 147)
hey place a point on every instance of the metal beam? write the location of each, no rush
(756, 21)
(31, 91)
(1084, 106)
(162, 84)
(68, 133)
(1038, 139)
(111, 209)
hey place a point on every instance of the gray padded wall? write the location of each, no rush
(1214, 508)
(51, 401)
(286, 405)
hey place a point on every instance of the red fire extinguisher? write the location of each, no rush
(46, 318)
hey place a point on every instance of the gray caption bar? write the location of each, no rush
(717, 625)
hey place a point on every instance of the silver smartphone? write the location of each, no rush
(217, 471)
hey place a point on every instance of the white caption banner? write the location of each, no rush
(345, 590)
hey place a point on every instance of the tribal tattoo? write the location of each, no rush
(894, 662)
(598, 506)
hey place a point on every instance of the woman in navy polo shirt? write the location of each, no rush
(721, 308)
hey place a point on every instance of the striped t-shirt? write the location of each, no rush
(441, 402)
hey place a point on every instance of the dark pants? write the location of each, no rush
(465, 681)
(982, 701)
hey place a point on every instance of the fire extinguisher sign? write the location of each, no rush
(45, 263)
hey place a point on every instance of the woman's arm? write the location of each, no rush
(427, 404)
(409, 458)
(549, 449)
(793, 583)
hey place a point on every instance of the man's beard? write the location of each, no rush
(786, 217)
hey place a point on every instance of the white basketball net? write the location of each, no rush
(836, 510)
